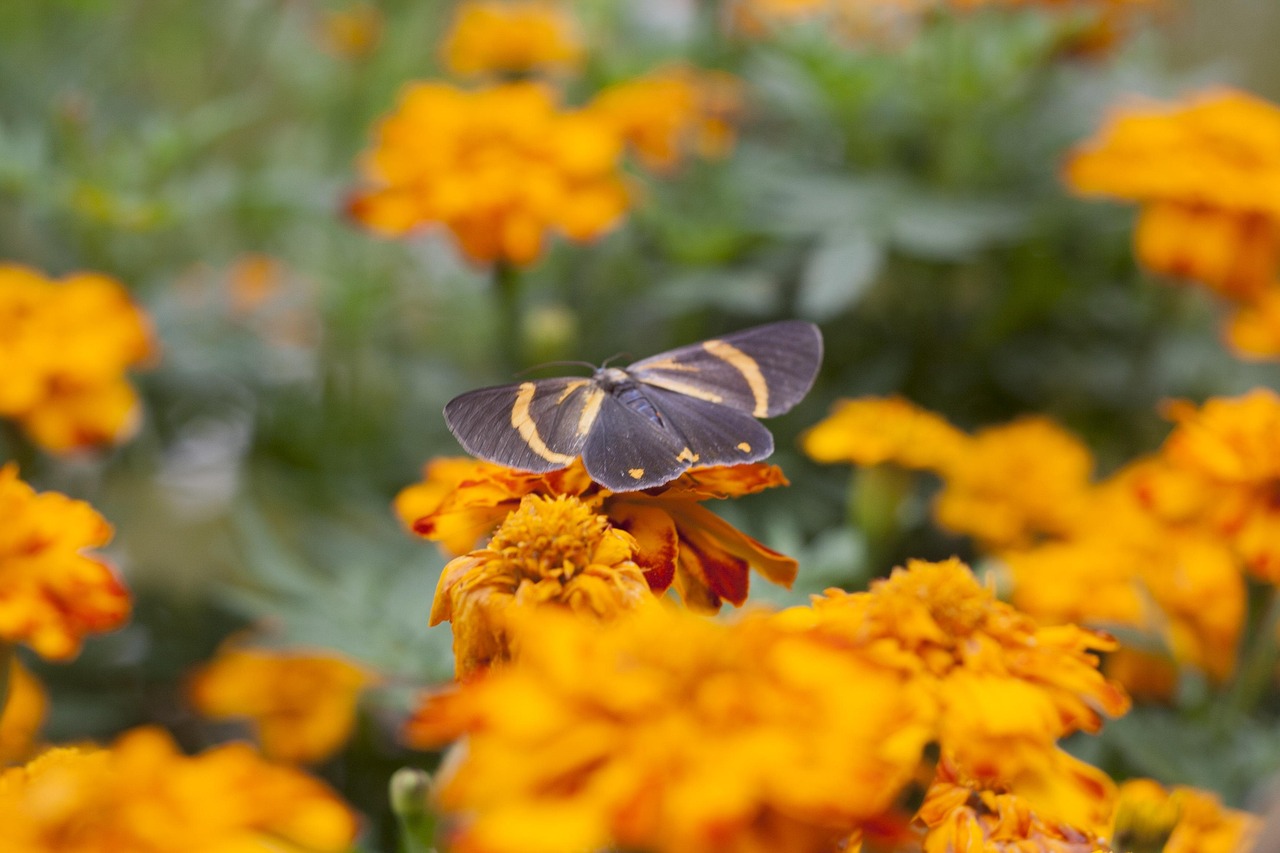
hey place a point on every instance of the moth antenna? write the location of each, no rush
(616, 355)
(588, 365)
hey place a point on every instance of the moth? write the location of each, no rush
(644, 425)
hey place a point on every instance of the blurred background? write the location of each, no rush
(898, 184)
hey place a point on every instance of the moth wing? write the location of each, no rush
(713, 434)
(628, 451)
(537, 426)
(762, 371)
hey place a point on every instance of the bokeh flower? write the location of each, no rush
(1007, 688)
(301, 704)
(673, 112)
(1179, 820)
(668, 732)
(22, 714)
(500, 168)
(880, 430)
(551, 551)
(351, 32)
(64, 349)
(144, 796)
(511, 37)
(680, 543)
(51, 593)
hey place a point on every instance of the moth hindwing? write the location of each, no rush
(642, 426)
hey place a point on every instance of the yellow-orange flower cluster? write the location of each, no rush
(52, 594)
(302, 704)
(142, 795)
(64, 349)
(680, 543)
(1097, 553)
(1179, 820)
(509, 37)
(499, 167)
(1207, 172)
(549, 551)
(663, 731)
(669, 113)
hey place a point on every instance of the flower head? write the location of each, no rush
(64, 350)
(144, 796)
(668, 732)
(550, 551)
(499, 167)
(1149, 816)
(679, 542)
(879, 430)
(671, 112)
(52, 594)
(504, 37)
(302, 705)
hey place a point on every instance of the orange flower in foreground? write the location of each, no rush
(21, 716)
(499, 167)
(667, 732)
(52, 594)
(1007, 688)
(302, 705)
(144, 796)
(961, 817)
(64, 350)
(671, 112)
(1179, 820)
(681, 543)
(550, 551)
(497, 37)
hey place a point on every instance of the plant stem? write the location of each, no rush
(506, 284)
(1259, 651)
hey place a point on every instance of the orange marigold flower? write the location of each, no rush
(52, 594)
(64, 350)
(499, 167)
(302, 705)
(1253, 330)
(1006, 687)
(681, 543)
(22, 714)
(503, 37)
(144, 796)
(879, 430)
(1209, 170)
(550, 551)
(963, 816)
(1149, 816)
(668, 732)
(673, 111)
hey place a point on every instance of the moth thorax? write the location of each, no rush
(612, 377)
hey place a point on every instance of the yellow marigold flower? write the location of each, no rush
(499, 167)
(1179, 820)
(879, 430)
(52, 594)
(1235, 254)
(21, 715)
(142, 795)
(1253, 330)
(64, 349)
(681, 543)
(667, 732)
(963, 816)
(673, 111)
(302, 705)
(550, 551)
(503, 37)
(1006, 687)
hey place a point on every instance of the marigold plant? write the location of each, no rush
(144, 796)
(64, 349)
(500, 168)
(302, 705)
(51, 593)
(548, 552)
(664, 731)
(509, 37)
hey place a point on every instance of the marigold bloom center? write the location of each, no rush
(550, 538)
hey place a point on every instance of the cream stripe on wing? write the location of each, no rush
(523, 423)
(746, 365)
